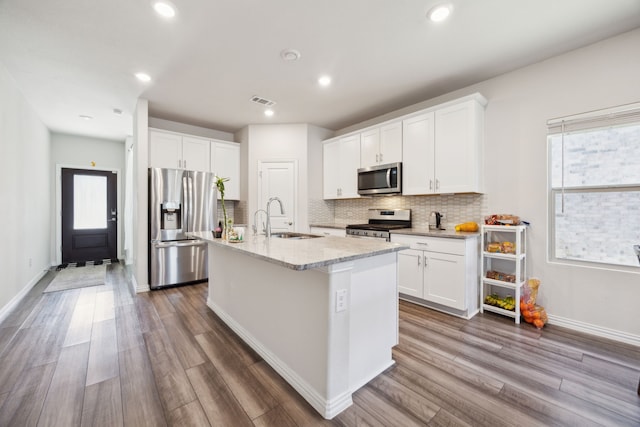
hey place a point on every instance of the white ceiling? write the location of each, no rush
(73, 57)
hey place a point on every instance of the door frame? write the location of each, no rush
(58, 211)
(296, 193)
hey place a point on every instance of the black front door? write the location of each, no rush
(89, 221)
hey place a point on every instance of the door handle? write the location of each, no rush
(113, 220)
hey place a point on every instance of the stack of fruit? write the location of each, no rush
(533, 314)
(506, 303)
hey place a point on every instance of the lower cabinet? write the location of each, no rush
(441, 273)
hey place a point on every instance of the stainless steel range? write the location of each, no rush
(381, 223)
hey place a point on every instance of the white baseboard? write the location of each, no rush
(594, 330)
(327, 408)
(4, 311)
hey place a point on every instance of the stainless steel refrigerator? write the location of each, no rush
(179, 201)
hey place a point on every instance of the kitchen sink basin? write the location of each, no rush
(294, 236)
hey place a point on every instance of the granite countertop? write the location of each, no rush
(415, 231)
(337, 225)
(304, 254)
(425, 231)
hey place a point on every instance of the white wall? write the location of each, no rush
(276, 142)
(78, 152)
(140, 250)
(520, 103)
(298, 142)
(24, 191)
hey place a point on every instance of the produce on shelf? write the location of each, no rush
(502, 219)
(467, 226)
(498, 275)
(506, 303)
(501, 247)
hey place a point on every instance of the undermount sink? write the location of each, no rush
(294, 236)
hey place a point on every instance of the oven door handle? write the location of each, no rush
(389, 178)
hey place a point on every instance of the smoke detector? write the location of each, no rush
(262, 101)
(290, 55)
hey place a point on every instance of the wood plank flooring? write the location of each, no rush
(100, 356)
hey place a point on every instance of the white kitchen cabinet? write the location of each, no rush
(417, 154)
(225, 163)
(458, 148)
(341, 160)
(442, 149)
(327, 231)
(177, 151)
(503, 273)
(441, 273)
(411, 273)
(381, 145)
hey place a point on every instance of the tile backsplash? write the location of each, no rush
(456, 208)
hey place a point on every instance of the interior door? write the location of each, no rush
(278, 179)
(89, 215)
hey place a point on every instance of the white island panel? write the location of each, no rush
(290, 317)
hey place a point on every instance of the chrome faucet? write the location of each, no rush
(255, 222)
(269, 213)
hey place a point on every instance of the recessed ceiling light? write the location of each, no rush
(117, 111)
(85, 117)
(324, 81)
(164, 9)
(290, 55)
(440, 12)
(143, 77)
(269, 112)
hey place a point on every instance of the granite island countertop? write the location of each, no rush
(304, 254)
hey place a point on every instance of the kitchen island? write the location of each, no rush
(323, 312)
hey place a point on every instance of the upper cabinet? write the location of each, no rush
(417, 154)
(381, 145)
(176, 151)
(225, 163)
(458, 148)
(442, 149)
(341, 160)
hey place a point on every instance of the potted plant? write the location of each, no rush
(227, 224)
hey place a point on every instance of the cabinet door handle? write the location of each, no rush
(377, 160)
(179, 164)
(418, 260)
(426, 264)
(430, 184)
(380, 157)
(184, 164)
(437, 184)
(422, 243)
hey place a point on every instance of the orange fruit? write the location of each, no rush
(538, 323)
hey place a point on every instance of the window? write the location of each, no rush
(594, 166)
(89, 202)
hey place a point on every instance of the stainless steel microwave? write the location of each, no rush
(379, 180)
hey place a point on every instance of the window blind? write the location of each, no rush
(615, 116)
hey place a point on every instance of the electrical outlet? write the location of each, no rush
(341, 300)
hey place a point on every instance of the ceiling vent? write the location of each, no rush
(262, 101)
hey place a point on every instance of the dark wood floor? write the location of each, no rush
(99, 356)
